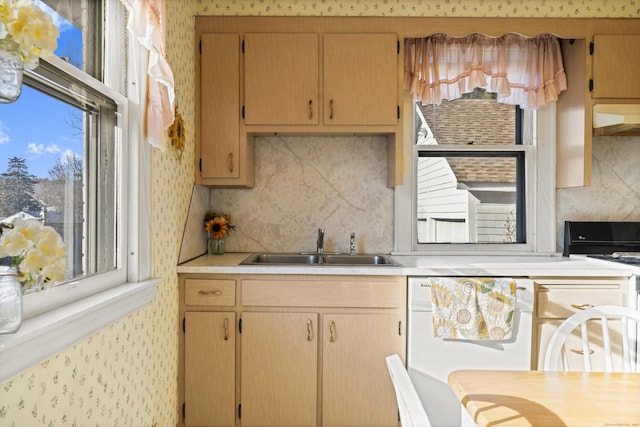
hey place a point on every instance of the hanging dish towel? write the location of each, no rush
(473, 308)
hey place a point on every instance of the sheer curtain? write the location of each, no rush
(522, 71)
(147, 23)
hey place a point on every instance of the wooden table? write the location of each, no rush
(554, 399)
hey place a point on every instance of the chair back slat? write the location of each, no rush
(626, 350)
(618, 346)
(586, 350)
(606, 341)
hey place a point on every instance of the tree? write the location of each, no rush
(65, 180)
(17, 192)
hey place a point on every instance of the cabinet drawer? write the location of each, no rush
(340, 292)
(210, 292)
(562, 303)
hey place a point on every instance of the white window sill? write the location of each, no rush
(46, 334)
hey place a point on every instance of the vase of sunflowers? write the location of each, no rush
(217, 226)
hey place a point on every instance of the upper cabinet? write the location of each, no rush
(616, 60)
(284, 84)
(360, 79)
(260, 76)
(281, 79)
(223, 153)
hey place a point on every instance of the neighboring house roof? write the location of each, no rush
(21, 215)
(486, 169)
(477, 122)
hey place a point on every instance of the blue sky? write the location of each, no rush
(35, 127)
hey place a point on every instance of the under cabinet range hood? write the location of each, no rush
(616, 120)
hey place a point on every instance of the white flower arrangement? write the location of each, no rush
(28, 26)
(37, 250)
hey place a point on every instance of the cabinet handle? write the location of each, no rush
(332, 331)
(331, 109)
(574, 350)
(309, 330)
(225, 325)
(311, 109)
(202, 292)
(230, 162)
(582, 306)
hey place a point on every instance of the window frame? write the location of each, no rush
(62, 315)
(539, 194)
(41, 302)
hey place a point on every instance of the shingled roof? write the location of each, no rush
(477, 122)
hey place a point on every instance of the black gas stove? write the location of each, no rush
(611, 241)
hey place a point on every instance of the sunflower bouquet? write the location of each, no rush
(217, 225)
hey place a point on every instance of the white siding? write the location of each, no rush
(439, 200)
(492, 222)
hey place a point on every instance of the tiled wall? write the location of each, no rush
(125, 375)
(306, 183)
(614, 194)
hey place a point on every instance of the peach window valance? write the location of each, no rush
(522, 71)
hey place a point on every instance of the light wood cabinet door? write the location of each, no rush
(279, 369)
(616, 60)
(356, 388)
(220, 106)
(361, 79)
(281, 79)
(209, 352)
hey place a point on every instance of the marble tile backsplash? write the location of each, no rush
(303, 183)
(614, 193)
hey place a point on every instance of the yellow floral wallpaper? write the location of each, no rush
(460, 8)
(125, 375)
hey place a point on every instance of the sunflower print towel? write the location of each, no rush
(473, 308)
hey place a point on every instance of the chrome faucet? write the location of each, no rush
(352, 244)
(320, 241)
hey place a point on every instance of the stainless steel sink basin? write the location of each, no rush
(318, 259)
(282, 258)
(358, 259)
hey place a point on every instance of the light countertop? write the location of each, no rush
(427, 265)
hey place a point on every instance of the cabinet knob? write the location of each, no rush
(310, 109)
(225, 325)
(230, 162)
(331, 109)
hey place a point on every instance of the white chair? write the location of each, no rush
(556, 350)
(412, 412)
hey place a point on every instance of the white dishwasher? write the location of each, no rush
(431, 359)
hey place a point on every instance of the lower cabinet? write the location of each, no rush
(559, 298)
(355, 381)
(292, 351)
(279, 375)
(209, 360)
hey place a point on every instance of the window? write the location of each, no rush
(65, 154)
(470, 176)
(80, 168)
(472, 186)
(482, 175)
